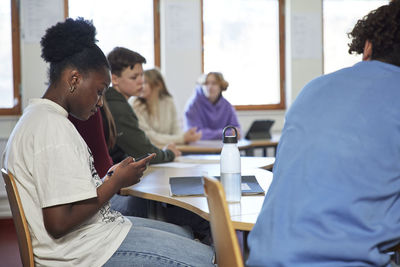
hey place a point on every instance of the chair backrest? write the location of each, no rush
(223, 233)
(21, 226)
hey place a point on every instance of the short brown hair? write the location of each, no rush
(121, 58)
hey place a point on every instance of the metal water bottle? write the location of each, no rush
(230, 166)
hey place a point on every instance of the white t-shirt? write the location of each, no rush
(53, 165)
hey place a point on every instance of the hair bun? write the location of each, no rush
(67, 38)
(224, 85)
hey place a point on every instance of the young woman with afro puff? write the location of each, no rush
(64, 199)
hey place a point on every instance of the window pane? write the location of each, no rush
(241, 40)
(127, 23)
(6, 67)
(340, 16)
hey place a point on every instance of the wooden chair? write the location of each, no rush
(395, 254)
(223, 233)
(269, 167)
(24, 238)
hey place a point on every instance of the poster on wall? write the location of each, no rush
(181, 35)
(37, 16)
(306, 35)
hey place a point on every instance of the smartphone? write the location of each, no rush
(136, 160)
(142, 157)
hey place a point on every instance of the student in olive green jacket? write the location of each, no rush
(127, 81)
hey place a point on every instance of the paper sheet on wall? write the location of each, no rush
(38, 16)
(179, 32)
(306, 36)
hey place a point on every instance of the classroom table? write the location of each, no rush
(215, 146)
(264, 144)
(155, 186)
(209, 146)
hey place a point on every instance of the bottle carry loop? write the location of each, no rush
(230, 139)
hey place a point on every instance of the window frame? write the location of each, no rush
(16, 61)
(156, 29)
(282, 104)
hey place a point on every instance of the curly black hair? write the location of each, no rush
(382, 28)
(72, 43)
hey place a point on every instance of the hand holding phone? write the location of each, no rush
(142, 157)
(130, 171)
(135, 160)
(146, 158)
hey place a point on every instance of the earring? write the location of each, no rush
(72, 88)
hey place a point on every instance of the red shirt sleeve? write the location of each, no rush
(92, 132)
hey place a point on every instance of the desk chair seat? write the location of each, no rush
(24, 238)
(223, 233)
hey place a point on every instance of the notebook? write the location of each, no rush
(193, 186)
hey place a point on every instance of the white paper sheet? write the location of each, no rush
(306, 35)
(38, 16)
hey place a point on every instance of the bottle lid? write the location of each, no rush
(230, 139)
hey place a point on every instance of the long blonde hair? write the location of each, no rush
(110, 129)
(154, 78)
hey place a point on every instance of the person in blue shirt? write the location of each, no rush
(335, 196)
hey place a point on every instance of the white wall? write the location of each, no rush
(180, 47)
(303, 44)
(181, 59)
(181, 53)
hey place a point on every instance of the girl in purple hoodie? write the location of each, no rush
(208, 110)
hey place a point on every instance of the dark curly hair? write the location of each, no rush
(382, 28)
(72, 43)
(121, 58)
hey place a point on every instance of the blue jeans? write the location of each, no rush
(156, 243)
(130, 205)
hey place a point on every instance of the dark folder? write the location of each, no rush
(193, 186)
(260, 129)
